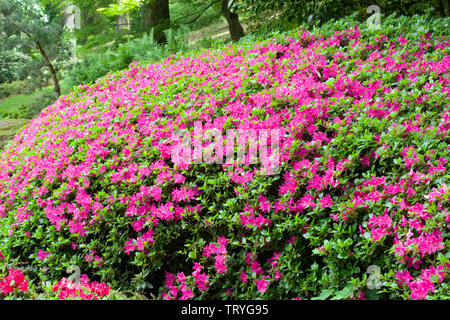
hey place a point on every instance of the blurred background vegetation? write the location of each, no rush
(41, 57)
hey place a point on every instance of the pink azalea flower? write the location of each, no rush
(262, 284)
(42, 255)
(243, 276)
(326, 201)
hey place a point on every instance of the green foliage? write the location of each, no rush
(143, 49)
(12, 64)
(120, 7)
(284, 15)
(96, 30)
(26, 105)
(336, 271)
(35, 31)
(8, 89)
(192, 14)
(41, 100)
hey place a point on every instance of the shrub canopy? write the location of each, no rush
(358, 208)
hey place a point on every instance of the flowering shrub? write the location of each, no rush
(364, 153)
(15, 285)
(84, 290)
(15, 280)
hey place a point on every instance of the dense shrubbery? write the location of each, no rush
(364, 117)
(282, 14)
(20, 113)
(97, 64)
(10, 88)
(12, 65)
(15, 286)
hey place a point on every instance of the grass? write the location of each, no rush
(13, 103)
(216, 31)
(9, 127)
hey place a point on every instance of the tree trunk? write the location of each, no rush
(51, 68)
(446, 8)
(156, 16)
(86, 21)
(236, 30)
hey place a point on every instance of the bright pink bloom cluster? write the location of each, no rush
(410, 156)
(177, 284)
(84, 290)
(261, 284)
(42, 254)
(220, 251)
(425, 283)
(14, 280)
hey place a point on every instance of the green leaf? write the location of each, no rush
(344, 293)
(324, 294)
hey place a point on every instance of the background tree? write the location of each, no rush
(229, 10)
(156, 16)
(286, 14)
(12, 63)
(38, 34)
(96, 29)
(236, 30)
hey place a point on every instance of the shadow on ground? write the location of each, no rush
(9, 128)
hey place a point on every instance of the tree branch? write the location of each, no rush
(17, 26)
(201, 12)
(43, 54)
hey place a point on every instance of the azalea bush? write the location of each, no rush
(358, 206)
(14, 281)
